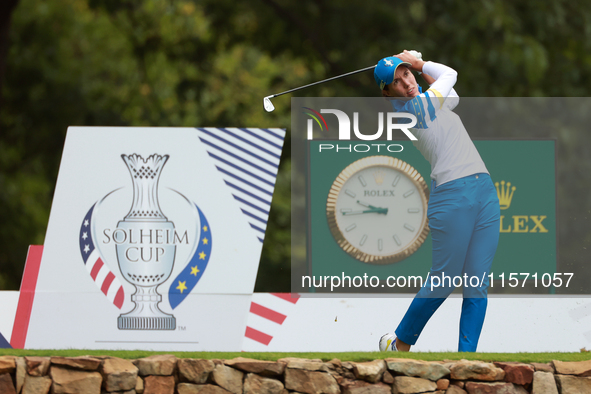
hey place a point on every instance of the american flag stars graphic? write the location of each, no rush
(106, 281)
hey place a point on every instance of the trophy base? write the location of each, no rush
(146, 323)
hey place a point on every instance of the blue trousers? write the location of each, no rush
(464, 218)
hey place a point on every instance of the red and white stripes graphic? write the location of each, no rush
(105, 279)
(268, 311)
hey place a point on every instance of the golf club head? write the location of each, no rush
(269, 107)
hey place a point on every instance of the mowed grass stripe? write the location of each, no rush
(345, 356)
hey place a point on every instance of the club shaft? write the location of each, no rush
(325, 80)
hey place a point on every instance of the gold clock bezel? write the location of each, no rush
(331, 210)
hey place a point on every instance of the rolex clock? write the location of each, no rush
(377, 210)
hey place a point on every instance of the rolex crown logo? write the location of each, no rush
(379, 177)
(505, 194)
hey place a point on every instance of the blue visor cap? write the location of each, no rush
(385, 69)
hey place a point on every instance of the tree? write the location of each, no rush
(210, 62)
(6, 9)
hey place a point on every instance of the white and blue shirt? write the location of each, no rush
(441, 136)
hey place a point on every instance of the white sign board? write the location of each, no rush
(147, 227)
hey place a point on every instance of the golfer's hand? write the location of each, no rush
(415, 64)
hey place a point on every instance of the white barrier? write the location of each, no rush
(286, 323)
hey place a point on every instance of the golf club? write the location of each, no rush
(270, 107)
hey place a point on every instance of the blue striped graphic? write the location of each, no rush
(242, 170)
(244, 181)
(251, 205)
(237, 146)
(256, 145)
(248, 160)
(230, 154)
(280, 137)
(247, 193)
(257, 228)
(253, 216)
(261, 138)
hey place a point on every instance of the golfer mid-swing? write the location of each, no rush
(463, 206)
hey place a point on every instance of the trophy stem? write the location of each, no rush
(146, 315)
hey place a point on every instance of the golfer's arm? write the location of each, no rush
(442, 81)
(445, 77)
(429, 79)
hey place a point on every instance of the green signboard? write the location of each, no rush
(523, 172)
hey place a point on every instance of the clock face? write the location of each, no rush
(377, 210)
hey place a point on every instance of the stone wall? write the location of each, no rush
(167, 374)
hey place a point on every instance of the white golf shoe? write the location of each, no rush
(388, 343)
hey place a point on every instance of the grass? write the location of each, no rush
(345, 356)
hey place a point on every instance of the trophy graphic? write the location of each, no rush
(145, 246)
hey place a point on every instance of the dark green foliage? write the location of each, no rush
(210, 63)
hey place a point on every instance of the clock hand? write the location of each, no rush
(373, 210)
(365, 204)
(369, 206)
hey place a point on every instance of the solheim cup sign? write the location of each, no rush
(154, 238)
(145, 241)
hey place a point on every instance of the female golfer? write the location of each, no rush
(463, 206)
